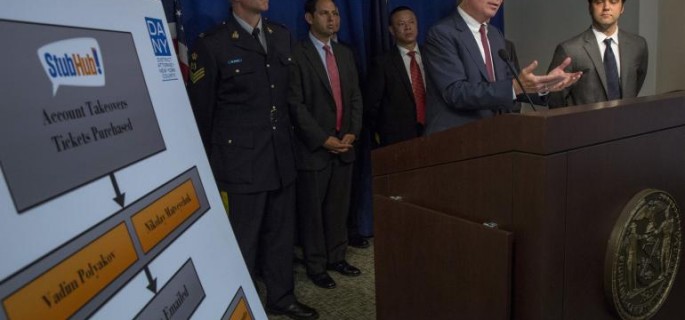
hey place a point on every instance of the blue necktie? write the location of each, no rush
(613, 83)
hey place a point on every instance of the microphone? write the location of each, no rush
(505, 56)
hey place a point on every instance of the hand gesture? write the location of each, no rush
(555, 80)
(336, 146)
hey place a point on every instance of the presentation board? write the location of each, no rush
(108, 207)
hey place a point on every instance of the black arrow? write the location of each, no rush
(153, 281)
(120, 196)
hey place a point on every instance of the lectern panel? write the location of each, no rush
(414, 283)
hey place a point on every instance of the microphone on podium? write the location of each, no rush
(505, 56)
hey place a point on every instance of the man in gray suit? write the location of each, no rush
(326, 106)
(611, 72)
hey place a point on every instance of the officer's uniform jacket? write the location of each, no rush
(238, 93)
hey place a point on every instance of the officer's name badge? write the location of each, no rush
(234, 61)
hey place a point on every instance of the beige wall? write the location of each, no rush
(670, 69)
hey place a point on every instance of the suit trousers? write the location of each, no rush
(264, 224)
(323, 199)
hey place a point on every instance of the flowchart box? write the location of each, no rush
(178, 299)
(75, 108)
(65, 288)
(76, 279)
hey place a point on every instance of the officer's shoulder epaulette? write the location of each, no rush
(213, 30)
(275, 25)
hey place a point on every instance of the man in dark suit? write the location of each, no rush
(469, 80)
(617, 77)
(238, 90)
(326, 105)
(395, 100)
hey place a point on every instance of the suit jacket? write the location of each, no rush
(313, 107)
(238, 93)
(389, 104)
(586, 56)
(460, 92)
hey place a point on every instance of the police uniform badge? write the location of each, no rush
(195, 73)
(193, 61)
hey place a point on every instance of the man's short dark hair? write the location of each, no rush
(310, 6)
(396, 10)
(591, 1)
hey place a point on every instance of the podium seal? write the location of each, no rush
(643, 255)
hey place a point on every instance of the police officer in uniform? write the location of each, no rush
(238, 88)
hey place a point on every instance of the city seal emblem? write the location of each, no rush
(643, 255)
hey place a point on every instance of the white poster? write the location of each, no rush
(108, 207)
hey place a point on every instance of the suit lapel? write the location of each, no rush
(625, 56)
(344, 80)
(397, 62)
(267, 35)
(496, 44)
(592, 49)
(466, 37)
(341, 64)
(315, 61)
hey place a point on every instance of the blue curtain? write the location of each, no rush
(364, 22)
(429, 12)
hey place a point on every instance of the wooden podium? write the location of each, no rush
(554, 183)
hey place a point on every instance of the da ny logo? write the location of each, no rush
(160, 44)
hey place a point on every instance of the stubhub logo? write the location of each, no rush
(73, 62)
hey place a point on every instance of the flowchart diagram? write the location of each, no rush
(85, 106)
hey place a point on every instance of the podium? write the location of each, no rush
(510, 217)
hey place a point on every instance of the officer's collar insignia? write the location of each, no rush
(235, 35)
(269, 30)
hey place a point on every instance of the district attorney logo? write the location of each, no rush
(643, 255)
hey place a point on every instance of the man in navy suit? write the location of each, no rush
(395, 96)
(469, 80)
(326, 107)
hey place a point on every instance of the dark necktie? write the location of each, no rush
(611, 69)
(487, 57)
(334, 77)
(255, 34)
(418, 88)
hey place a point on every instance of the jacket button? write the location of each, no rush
(230, 141)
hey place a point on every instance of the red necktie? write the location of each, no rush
(418, 88)
(488, 57)
(334, 77)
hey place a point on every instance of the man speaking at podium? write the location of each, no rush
(469, 80)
